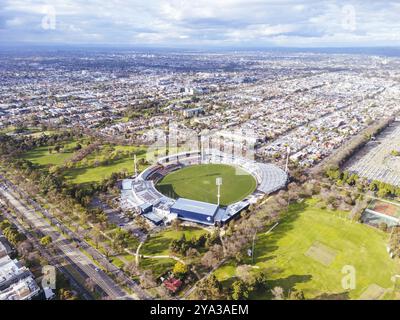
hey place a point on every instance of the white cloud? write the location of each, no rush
(15, 22)
(203, 22)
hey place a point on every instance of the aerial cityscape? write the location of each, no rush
(185, 172)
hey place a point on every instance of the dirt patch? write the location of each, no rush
(321, 253)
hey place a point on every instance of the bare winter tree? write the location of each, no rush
(212, 257)
(278, 293)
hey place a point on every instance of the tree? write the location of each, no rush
(120, 239)
(46, 240)
(90, 284)
(244, 272)
(278, 293)
(296, 295)
(147, 279)
(141, 223)
(58, 148)
(212, 257)
(4, 224)
(258, 281)
(132, 268)
(240, 291)
(358, 209)
(65, 294)
(176, 224)
(96, 236)
(180, 269)
(12, 235)
(192, 252)
(212, 238)
(209, 288)
(24, 248)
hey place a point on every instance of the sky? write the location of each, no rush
(202, 23)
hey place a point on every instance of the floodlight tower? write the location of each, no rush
(287, 159)
(252, 247)
(199, 147)
(135, 165)
(218, 182)
(201, 150)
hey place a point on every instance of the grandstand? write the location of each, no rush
(141, 191)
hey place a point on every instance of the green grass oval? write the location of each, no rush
(197, 182)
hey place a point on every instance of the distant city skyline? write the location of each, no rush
(204, 23)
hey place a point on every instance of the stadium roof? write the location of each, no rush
(153, 217)
(127, 184)
(198, 207)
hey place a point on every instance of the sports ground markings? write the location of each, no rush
(373, 292)
(321, 253)
(197, 182)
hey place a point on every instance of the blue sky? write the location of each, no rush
(176, 23)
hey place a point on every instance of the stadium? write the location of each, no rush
(183, 186)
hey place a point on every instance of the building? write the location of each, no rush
(3, 250)
(145, 207)
(195, 211)
(172, 284)
(24, 289)
(16, 280)
(189, 113)
(5, 247)
(11, 272)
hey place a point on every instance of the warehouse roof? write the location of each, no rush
(198, 207)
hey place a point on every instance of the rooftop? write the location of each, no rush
(198, 207)
(25, 289)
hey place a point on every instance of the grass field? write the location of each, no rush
(157, 266)
(88, 171)
(198, 183)
(41, 155)
(308, 250)
(158, 244)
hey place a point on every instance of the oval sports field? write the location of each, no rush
(197, 182)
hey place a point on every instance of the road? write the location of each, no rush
(55, 261)
(69, 251)
(139, 293)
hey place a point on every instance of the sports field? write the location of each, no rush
(308, 250)
(387, 208)
(197, 182)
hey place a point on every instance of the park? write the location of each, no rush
(308, 250)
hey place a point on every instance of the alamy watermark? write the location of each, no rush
(349, 278)
(349, 22)
(49, 20)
